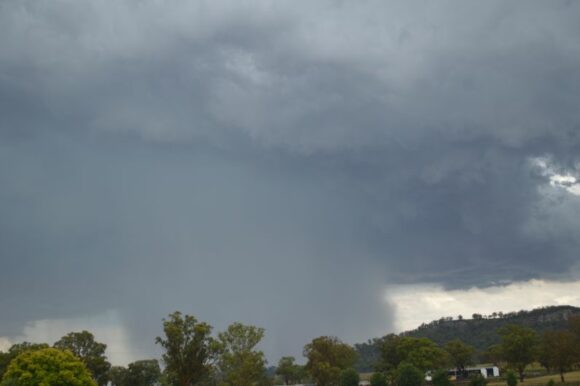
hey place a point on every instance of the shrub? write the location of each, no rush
(440, 378)
(378, 379)
(511, 378)
(349, 377)
(478, 380)
(409, 375)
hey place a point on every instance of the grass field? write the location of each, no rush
(570, 377)
(573, 376)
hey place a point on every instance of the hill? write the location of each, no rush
(480, 331)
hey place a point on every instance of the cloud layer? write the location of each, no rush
(281, 163)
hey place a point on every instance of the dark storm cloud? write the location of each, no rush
(279, 163)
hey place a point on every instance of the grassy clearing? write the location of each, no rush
(572, 376)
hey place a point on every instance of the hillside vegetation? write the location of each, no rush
(479, 331)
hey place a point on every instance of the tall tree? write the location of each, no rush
(118, 376)
(559, 351)
(494, 354)
(327, 357)
(518, 346)
(422, 353)
(143, 373)
(48, 366)
(240, 363)
(390, 357)
(461, 354)
(92, 353)
(190, 351)
(288, 370)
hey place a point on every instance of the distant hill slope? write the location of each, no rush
(480, 331)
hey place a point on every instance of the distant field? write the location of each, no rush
(570, 377)
(573, 376)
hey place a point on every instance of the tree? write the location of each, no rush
(422, 353)
(327, 357)
(349, 377)
(559, 351)
(441, 378)
(511, 379)
(92, 353)
(118, 376)
(143, 373)
(240, 363)
(518, 346)
(574, 325)
(477, 380)
(190, 351)
(461, 354)
(14, 351)
(390, 357)
(288, 370)
(494, 354)
(378, 379)
(409, 375)
(48, 366)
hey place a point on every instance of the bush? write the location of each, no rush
(349, 377)
(440, 378)
(511, 378)
(409, 375)
(378, 379)
(48, 366)
(551, 382)
(478, 380)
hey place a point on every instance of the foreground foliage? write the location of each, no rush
(190, 351)
(327, 357)
(240, 364)
(92, 353)
(47, 367)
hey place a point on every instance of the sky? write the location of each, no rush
(308, 167)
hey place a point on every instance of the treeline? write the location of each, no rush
(194, 355)
(398, 356)
(480, 331)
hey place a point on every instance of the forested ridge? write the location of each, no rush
(477, 330)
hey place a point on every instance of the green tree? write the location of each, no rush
(14, 351)
(390, 358)
(288, 370)
(494, 354)
(460, 353)
(118, 375)
(559, 351)
(422, 353)
(511, 379)
(143, 373)
(441, 378)
(327, 357)
(409, 375)
(92, 353)
(349, 377)
(378, 379)
(190, 351)
(477, 380)
(240, 364)
(519, 347)
(47, 367)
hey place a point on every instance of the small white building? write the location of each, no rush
(486, 372)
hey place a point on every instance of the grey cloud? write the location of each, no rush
(280, 163)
